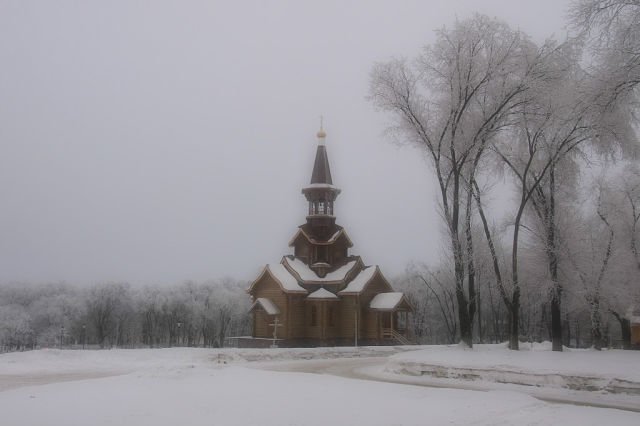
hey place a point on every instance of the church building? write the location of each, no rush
(322, 295)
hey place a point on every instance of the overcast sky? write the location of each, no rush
(154, 142)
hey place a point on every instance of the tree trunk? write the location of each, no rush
(471, 271)
(514, 321)
(625, 328)
(479, 310)
(463, 317)
(556, 321)
(552, 254)
(466, 326)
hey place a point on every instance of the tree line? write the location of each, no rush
(120, 315)
(492, 111)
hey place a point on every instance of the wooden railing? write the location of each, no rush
(390, 333)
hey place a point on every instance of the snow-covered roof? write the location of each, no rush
(322, 293)
(386, 301)
(269, 307)
(308, 275)
(635, 319)
(360, 281)
(321, 186)
(288, 281)
(335, 236)
(331, 239)
(320, 265)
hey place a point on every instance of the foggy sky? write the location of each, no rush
(154, 142)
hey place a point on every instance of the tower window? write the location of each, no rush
(321, 207)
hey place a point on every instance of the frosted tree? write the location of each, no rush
(552, 124)
(104, 304)
(591, 249)
(622, 204)
(15, 328)
(611, 29)
(450, 102)
(148, 305)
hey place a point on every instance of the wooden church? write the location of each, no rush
(322, 295)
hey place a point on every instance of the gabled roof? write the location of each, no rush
(390, 302)
(282, 276)
(322, 294)
(269, 307)
(332, 239)
(306, 275)
(360, 282)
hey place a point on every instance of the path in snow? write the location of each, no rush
(373, 369)
(12, 381)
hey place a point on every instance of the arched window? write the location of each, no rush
(314, 316)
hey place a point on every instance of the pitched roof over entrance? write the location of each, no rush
(390, 302)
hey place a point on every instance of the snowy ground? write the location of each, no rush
(612, 371)
(229, 387)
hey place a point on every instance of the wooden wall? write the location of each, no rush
(346, 316)
(297, 316)
(268, 288)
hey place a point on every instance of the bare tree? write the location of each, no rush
(445, 298)
(450, 102)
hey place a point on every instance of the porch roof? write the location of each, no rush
(393, 301)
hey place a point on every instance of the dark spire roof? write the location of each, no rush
(321, 172)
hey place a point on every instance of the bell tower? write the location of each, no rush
(321, 193)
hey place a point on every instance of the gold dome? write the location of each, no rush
(321, 133)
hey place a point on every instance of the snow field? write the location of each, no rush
(213, 387)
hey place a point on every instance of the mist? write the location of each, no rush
(156, 142)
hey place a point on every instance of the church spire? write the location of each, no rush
(321, 193)
(321, 171)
